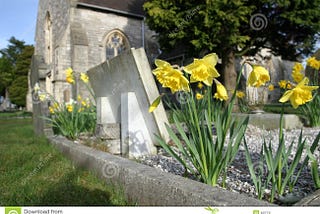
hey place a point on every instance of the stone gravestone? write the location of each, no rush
(125, 88)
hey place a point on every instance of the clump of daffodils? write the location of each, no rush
(73, 117)
(299, 92)
(201, 71)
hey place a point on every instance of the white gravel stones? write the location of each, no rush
(238, 178)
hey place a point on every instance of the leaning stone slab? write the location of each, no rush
(145, 185)
(128, 72)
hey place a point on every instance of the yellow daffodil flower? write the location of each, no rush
(42, 96)
(271, 87)
(69, 76)
(36, 87)
(313, 63)
(240, 94)
(289, 85)
(282, 84)
(69, 107)
(199, 96)
(221, 91)
(170, 77)
(258, 76)
(84, 103)
(70, 80)
(51, 109)
(200, 85)
(296, 72)
(299, 95)
(203, 70)
(56, 105)
(84, 77)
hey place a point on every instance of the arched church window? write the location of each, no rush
(116, 43)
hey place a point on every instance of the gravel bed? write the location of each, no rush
(238, 178)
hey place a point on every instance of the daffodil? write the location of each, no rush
(170, 77)
(271, 87)
(296, 72)
(69, 107)
(42, 96)
(51, 109)
(258, 76)
(240, 94)
(69, 76)
(84, 77)
(84, 103)
(282, 84)
(203, 70)
(299, 95)
(221, 91)
(199, 96)
(200, 85)
(289, 85)
(36, 87)
(314, 63)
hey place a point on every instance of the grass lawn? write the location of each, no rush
(33, 172)
(11, 114)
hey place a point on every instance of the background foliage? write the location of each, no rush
(15, 63)
(221, 26)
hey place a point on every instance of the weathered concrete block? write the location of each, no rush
(311, 200)
(108, 131)
(148, 186)
(104, 111)
(136, 139)
(272, 121)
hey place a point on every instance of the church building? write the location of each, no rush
(82, 34)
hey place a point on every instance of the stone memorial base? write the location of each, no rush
(272, 121)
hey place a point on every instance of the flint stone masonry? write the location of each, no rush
(148, 186)
(125, 88)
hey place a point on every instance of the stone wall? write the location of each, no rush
(98, 24)
(59, 13)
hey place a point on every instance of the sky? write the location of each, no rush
(18, 19)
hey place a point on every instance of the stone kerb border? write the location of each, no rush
(148, 186)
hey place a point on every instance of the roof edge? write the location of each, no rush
(111, 10)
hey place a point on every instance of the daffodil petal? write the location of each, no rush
(161, 63)
(286, 96)
(155, 103)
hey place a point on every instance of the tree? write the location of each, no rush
(288, 28)
(19, 87)
(6, 74)
(15, 63)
